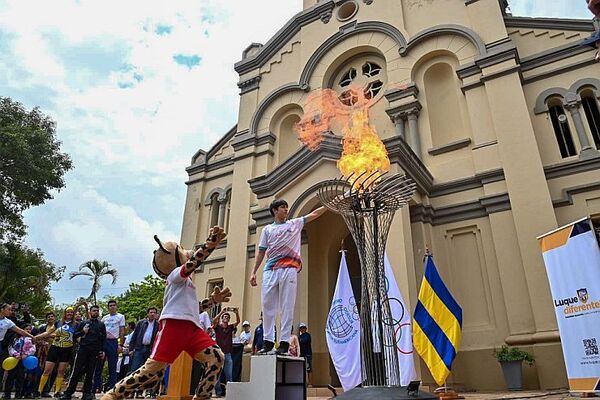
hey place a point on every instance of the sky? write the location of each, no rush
(136, 88)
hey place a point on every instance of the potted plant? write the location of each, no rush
(511, 360)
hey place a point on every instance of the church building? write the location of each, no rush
(494, 117)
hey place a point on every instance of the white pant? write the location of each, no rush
(279, 294)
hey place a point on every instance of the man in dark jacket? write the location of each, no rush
(93, 334)
(142, 339)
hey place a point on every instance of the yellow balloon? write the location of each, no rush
(9, 363)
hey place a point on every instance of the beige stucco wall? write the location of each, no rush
(489, 198)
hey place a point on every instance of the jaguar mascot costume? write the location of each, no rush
(179, 321)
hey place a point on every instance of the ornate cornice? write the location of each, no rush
(479, 208)
(567, 194)
(249, 84)
(404, 110)
(210, 166)
(284, 35)
(572, 167)
(549, 23)
(245, 139)
(553, 55)
(400, 153)
(262, 216)
(496, 53)
(410, 90)
(471, 182)
(268, 185)
(458, 144)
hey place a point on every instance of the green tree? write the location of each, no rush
(95, 270)
(136, 300)
(25, 277)
(31, 164)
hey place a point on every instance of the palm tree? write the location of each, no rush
(95, 270)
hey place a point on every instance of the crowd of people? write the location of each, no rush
(82, 345)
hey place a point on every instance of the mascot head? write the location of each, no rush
(168, 256)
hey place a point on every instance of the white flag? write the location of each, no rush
(343, 331)
(402, 321)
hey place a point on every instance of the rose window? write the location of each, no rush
(360, 80)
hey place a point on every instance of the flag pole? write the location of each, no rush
(427, 253)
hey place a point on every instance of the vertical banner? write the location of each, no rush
(572, 259)
(402, 322)
(343, 331)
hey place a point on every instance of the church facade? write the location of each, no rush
(496, 118)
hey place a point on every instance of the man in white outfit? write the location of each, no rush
(281, 241)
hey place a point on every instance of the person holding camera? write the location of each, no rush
(224, 335)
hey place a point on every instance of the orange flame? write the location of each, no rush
(363, 151)
(322, 112)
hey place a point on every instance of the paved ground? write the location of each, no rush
(525, 395)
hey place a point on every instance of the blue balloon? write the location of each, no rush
(30, 362)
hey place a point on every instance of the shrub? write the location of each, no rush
(506, 354)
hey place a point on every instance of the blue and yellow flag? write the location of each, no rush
(437, 324)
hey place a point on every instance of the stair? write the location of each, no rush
(272, 378)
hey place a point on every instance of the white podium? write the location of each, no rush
(272, 378)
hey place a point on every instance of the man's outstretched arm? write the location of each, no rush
(315, 214)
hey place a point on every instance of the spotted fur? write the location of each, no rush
(212, 361)
(146, 377)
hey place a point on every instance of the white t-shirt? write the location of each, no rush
(5, 325)
(205, 321)
(180, 299)
(245, 337)
(113, 324)
(282, 243)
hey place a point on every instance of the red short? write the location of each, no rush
(177, 335)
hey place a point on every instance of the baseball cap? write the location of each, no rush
(246, 323)
(301, 325)
(591, 41)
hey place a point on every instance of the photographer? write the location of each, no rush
(224, 335)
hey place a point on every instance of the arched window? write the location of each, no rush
(214, 210)
(443, 103)
(288, 140)
(228, 211)
(562, 131)
(363, 73)
(590, 107)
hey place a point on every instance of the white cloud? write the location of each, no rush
(129, 115)
(554, 8)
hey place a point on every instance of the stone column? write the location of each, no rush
(584, 141)
(414, 138)
(222, 210)
(236, 271)
(531, 203)
(399, 124)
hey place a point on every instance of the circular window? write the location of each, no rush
(361, 81)
(347, 11)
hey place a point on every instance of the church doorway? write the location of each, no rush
(325, 237)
